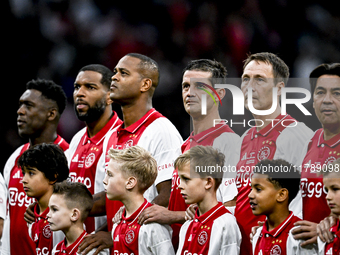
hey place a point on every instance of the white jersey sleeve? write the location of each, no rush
(73, 145)
(163, 141)
(290, 146)
(155, 239)
(293, 247)
(5, 240)
(229, 145)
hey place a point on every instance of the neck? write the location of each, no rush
(207, 203)
(94, 127)
(277, 217)
(330, 131)
(49, 135)
(134, 111)
(73, 232)
(132, 203)
(266, 119)
(43, 201)
(204, 122)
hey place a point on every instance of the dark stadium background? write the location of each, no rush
(53, 39)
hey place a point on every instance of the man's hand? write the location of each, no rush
(118, 216)
(190, 212)
(160, 215)
(306, 231)
(1, 226)
(29, 214)
(100, 240)
(254, 229)
(323, 229)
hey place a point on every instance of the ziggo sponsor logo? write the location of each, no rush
(115, 252)
(86, 180)
(310, 189)
(19, 198)
(186, 252)
(43, 251)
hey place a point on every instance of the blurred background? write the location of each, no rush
(53, 39)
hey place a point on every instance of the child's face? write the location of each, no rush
(114, 181)
(192, 186)
(332, 187)
(59, 215)
(263, 195)
(35, 183)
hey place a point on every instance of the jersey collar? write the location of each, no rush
(98, 138)
(133, 218)
(275, 125)
(135, 126)
(277, 231)
(206, 216)
(69, 249)
(334, 141)
(220, 128)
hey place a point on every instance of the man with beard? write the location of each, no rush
(92, 105)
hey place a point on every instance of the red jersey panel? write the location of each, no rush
(61, 249)
(255, 147)
(125, 235)
(84, 156)
(320, 153)
(333, 248)
(124, 138)
(18, 202)
(274, 241)
(198, 235)
(41, 233)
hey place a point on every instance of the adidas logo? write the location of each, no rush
(17, 175)
(36, 237)
(330, 251)
(116, 239)
(75, 159)
(190, 238)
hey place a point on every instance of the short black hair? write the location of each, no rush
(76, 195)
(280, 69)
(148, 67)
(217, 69)
(48, 159)
(50, 90)
(331, 69)
(103, 70)
(277, 175)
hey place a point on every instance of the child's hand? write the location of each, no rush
(190, 212)
(29, 214)
(323, 229)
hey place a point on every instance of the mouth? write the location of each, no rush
(113, 86)
(184, 196)
(26, 189)
(20, 122)
(252, 205)
(81, 105)
(331, 205)
(327, 111)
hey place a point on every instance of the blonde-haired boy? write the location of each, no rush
(130, 172)
(214, 229)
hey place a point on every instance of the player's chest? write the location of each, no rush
(125, 238)
(269, 245)
(86, 156)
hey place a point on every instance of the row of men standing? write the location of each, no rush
(132, 85)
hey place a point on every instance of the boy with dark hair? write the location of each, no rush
(214, 229)
(70, 204)
(42, 166)
(273, 186)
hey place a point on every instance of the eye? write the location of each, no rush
(76, 86)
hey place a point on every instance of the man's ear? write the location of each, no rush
(75, 214)
(282, 195)
(280, 85)
(221, 93)
(108, 99)
(146, 85)
(131, 183)
(52, 114)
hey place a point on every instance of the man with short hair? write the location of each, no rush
(275, 136)
(40, 108)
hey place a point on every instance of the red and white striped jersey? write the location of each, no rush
(16, 230)
(215, 232)
(131, 238)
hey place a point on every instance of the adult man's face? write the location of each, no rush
(192, 83)
(90, 96)
(326, 100)
(126, 81)
(260, 78)
(33, 113)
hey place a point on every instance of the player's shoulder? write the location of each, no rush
(76, 138)
(162, 124)
(155, 231)
(298, 129)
